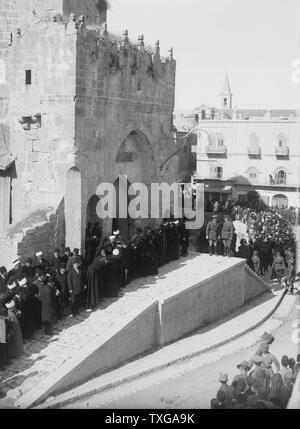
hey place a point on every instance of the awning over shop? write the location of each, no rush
(6, 160)
(218, 189)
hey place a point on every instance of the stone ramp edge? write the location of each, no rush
(54, 380)
(55, 403)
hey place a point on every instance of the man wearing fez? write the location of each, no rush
(212, 234)
(40, 262)
(227, 235)
(76, 285)
(15, 270)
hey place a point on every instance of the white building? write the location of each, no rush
(247, 155)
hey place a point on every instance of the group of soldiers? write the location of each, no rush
(265, 239)
(216, 231)
(39, 291)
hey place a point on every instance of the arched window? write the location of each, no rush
(281, 177)
(220, 138)
(212, 140)
(216, 171)
(282, 141)
(254, 141)
(253, 174)
(280, 201)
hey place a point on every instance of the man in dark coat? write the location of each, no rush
(95, 273)
(3, 281)
(76, 285)
(62, 285)
(212, 234)
(184, 238)
(66, 256)
(48, 299)
(28, 269)
(26, 307)
(244, 251)
(227, 235)
(159, 245)
(35, 293)
(56, 261)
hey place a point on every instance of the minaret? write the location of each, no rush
(226, 95)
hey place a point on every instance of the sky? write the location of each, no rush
(254, 41)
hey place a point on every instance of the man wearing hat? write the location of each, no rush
(244, 369)
(227, 235)
(76, 285)
(66, 256)
(212, 234)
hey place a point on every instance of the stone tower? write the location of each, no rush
(226, 95)
(18, 14)
(78, 107)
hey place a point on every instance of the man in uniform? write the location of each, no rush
(227, 235)
(212, 234)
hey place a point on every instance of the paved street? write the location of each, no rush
(193, 383)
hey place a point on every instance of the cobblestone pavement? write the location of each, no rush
(45, 354)
(193, 383)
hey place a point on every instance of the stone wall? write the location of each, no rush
(203, 303)
(89, 100)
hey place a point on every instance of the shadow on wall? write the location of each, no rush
(253, 199)
(44, 230)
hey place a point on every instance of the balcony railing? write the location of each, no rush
(254, 150)
(281, 151)
(216, 149)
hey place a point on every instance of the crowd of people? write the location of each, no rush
(260, 383)
(265, 238)
(39, 291)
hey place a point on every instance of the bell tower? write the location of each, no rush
(226, 95)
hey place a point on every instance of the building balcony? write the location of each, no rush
(282, 151)
(254, 151)
(216, 150)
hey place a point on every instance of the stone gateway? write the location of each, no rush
(78, 107)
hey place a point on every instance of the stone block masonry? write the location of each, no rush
(76, 100)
